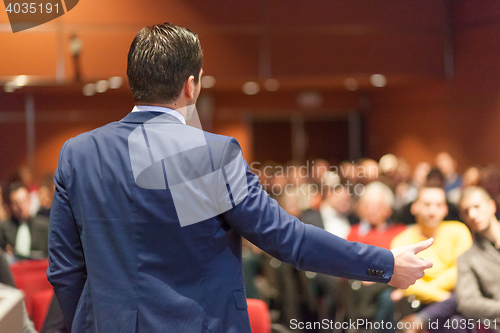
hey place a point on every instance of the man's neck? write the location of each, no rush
(492, 233)
(174, 106)
(380, 226)
(20, 220)
(377, 226)
(428, 232)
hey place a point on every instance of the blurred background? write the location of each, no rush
(291, 80)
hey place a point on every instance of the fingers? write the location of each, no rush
(408, 267)
(426, 263)
(423, 245)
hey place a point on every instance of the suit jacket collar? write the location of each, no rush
(146, 116)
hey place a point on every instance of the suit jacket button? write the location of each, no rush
(377, 273)
(369, 272)
(382, 273)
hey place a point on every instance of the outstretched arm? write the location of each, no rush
(263, 222)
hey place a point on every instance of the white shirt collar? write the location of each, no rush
(140, 108)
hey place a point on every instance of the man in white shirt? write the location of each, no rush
(23, 235)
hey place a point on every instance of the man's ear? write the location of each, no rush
(446, 210)
(414, 207)
(189, 88)
(493, 205)
(388, 212)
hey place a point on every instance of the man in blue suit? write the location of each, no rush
(148, 214)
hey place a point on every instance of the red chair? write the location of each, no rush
(41, 303)
(260, 319)
(29, 266)
(30, 277)
(30, 283)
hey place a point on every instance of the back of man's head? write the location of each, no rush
(160, 60)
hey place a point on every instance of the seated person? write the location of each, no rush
(23, 235)
(333, 216)
(451, 239)
(4, 215)
(6, 282)
(434, 178)
(374, 209)
(295, 296)
(46, 194)
(333, 212)
(478, 285)
(452, 180)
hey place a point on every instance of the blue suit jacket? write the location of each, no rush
(121, 262)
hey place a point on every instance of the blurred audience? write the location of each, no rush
(332, 213)
(4, 215)
(296, 294)
(371, 301)
(22, 235)
(451, 239)
(418, 179)
(374, 209)
(363, 201)
(435, 178)
(368, 171)
(489, 179)
(452, 180)
(478, 285)
(7, 282)
(319, 170)
(470, 177)
(25, 176)
(45, 195)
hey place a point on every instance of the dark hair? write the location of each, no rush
(16, 185)
(160, 60)
(47, 181)
(435, 178)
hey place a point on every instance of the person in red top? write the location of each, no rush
(374, 208)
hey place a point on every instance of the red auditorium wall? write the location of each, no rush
(461, 115)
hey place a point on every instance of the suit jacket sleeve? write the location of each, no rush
(66, 271)
(263, 222)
